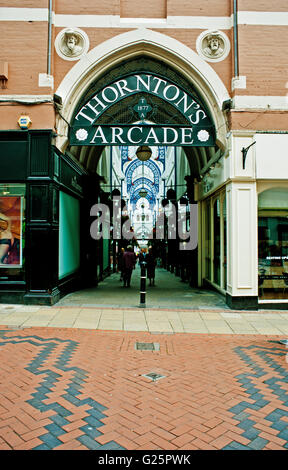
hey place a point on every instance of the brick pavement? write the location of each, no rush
(64, 388)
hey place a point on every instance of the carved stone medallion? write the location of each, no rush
(213, 46)
(71, 43)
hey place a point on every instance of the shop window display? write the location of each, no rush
(215, 240)
(224, 243)
(12, 230)
(273, 244)
(207, 240)
(216, 221)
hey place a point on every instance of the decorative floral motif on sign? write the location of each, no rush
(203, 135)
(81, 134)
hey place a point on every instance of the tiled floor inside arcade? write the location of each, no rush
(169, 292)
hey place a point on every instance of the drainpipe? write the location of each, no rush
(49, 36)
(111, 168)
(235, 32)
(175, 169)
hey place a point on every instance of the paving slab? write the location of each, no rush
(195, 329)
(221, 329)
(135, 327)
(176, 325)
(236, 326)
(110, 324)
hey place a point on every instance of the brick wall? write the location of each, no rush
(25, 49)
(198, 8)
(147, 9)
(89, 7)
(263, 58)
(262, 5)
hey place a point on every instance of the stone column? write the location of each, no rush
(242, 279)
(242, 238)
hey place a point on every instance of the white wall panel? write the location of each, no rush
(271, 156)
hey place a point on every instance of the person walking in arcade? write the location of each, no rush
(129, 261)
(151, 264)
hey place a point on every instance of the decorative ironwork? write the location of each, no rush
(149, 164)
(142, 181)
(244, 154)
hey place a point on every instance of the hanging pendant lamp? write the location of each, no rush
(143, 153)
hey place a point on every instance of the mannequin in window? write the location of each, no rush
(6, 237)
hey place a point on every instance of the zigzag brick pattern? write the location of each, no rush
(85, 389)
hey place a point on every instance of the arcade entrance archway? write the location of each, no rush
(142, 102)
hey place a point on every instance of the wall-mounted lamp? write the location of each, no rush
(244, 154)
(57, 99)
(227, 105)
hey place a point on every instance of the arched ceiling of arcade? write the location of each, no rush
(192, 74)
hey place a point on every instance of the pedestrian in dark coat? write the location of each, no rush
(151, 264)
(129, 260)
(120, 263)
(142, 257)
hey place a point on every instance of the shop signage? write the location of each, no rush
(142, 135)
(75, 184)
(273, 276)
(207, 186)
(70, 178)
(198, 129)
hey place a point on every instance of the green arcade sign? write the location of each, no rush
(142, 135)
(197, 130)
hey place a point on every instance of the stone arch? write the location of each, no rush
(132, 44)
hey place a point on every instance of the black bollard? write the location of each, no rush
(143, 285)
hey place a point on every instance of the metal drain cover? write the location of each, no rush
(154, 376)
(147, 346)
